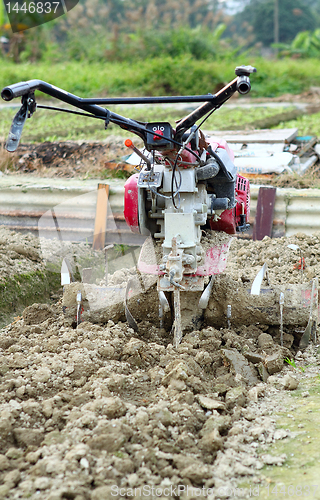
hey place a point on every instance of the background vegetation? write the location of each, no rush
(167, 76)
(55, 126)
(132, 30)
(164, 47)
(152, 47)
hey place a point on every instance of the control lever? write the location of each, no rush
(129, 144)
(27, 109)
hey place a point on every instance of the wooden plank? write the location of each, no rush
(264, 213)
(308, 145)
(248, 136)
(100, 224)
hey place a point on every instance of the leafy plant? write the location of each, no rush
(291, 362)
(198, 42)
(120, 248)
(305, 44)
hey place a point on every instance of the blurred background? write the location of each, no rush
(168, 46)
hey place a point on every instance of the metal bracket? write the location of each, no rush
(149, 179)
(245, 70)
(256, 285)
(190, 283)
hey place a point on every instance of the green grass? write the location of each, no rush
(150, 77)
(158, 77)
(167, 75)
(54, 126)
(307, 124)
(298, 477)
(19, 291)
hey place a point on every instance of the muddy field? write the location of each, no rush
(99, 411)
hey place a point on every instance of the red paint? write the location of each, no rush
(229, 219)
(131, 203)
(215, 260)
(217, 142)
(300, 265)
(226, 222)
(156, 137)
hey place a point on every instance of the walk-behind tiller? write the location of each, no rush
(187, 183)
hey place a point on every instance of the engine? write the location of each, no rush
(178, 199)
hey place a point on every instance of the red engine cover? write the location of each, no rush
(130, 213)
(227, 222)
(230, 219)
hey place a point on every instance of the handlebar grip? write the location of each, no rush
(20, 89)
(243, 84)
(15, 90)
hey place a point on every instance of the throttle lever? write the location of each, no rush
(129, 144)
(27, 109)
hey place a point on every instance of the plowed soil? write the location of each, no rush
(100, 411)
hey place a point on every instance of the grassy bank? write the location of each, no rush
(158, 77)
(307, 124)
(299, 419)
(19, 291)
(166, 75)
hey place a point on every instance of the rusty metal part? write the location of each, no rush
(79, 304)
(177, 329)
(281, 304)
(264, 213)
(174, 275)
(190, 283)
(174, 266)
(313, 318)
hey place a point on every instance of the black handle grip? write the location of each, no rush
(15, 90)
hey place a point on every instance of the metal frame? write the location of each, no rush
(211, 102)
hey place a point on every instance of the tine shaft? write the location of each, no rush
(177, 317)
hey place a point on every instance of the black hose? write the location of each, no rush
(220, 163)
(40, 106)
